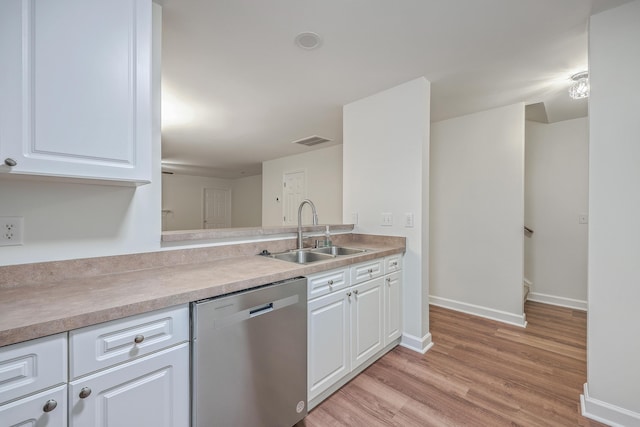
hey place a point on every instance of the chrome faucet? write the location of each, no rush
(315, 219)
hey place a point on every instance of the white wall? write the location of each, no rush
(386, 149)
(556, 193)
(613, 344)
(323, 169)
(246, 204)
(477, 213)
(65, 221)
(182, 195)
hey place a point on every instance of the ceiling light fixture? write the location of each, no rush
(308, 40)
(580, 87)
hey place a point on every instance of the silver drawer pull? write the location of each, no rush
(10, 162)
(84, 392)
(370, 270)
(389, 280)
(330, 282)
(355, 292)
(50, 405)
(348, 294)
(394, 264)
(138, 339)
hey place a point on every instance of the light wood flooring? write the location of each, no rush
(479, 373)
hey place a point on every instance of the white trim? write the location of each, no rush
(527, 282)
(421, 345)
(607, 413)
(476, 310)
(560, 301)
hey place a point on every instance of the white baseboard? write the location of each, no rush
(476, 310)
(421, 345)
(560, 301)
(607, 413)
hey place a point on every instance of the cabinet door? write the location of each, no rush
(327, 341)
(152, 391)
(45, 409)
(392, 307)
(76, 89)
(367, 326)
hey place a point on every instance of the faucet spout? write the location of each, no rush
(315, 218)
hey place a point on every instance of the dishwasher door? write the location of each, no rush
(249, 357)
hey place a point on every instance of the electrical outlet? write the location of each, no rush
(11, 230)
(386, 219)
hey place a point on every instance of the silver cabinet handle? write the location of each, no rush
(348, 294)
(330, 282)
(50, 405)
(10, 162)
(138, 339)
(355, 292)
(370, 270)
(389, 280)
(84, 392)
(394, 264)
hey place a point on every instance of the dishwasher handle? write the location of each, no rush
(261, 310)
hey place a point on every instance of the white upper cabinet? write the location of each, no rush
(75, 89)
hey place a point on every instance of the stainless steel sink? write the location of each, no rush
(303, 256)
(338, 250)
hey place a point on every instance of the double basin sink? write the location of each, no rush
(306, 256)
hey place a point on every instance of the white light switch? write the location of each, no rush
(408, 219)
(386, 219)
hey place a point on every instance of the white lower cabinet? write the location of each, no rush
(329, 341)
(131, 372)
(367, 326)
(393, 307)
(350, 325)
(151, 391)
(44, 409)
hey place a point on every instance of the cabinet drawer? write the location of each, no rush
(30, 411)
(392, 263)
(100, 346)
(366, 271)
(34, 365)
(326, 282)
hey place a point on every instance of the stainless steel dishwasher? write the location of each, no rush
(249, 357)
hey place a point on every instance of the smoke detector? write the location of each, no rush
(308, 40)
(311, 140)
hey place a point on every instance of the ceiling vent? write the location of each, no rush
(311, 140)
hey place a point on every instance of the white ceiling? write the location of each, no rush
(237, 90)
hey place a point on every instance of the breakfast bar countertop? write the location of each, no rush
(35, 309)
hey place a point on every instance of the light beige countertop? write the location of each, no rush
(54, 298)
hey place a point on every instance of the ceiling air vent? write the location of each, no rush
(311, 140)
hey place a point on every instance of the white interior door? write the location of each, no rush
(293, 192)
(217, 208)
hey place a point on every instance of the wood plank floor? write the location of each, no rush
(479, 373)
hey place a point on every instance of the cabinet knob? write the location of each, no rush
(85, 392)
(370, 270)
(348, 294)
(355, 292)
(394, 264)
(138, 339)
(50, 405)
(389, 280)
(10, 162)
(330, 282)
